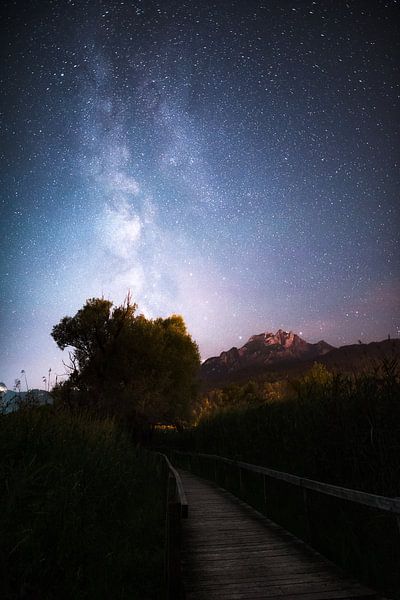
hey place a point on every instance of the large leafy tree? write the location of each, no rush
(123, 364)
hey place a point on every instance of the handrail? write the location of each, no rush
(179, 487)
(384, 503)
(177, 508)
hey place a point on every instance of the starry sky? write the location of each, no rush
(235, 162)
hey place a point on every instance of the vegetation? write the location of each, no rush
(81, 511)
(331, 427)
(238, 396)
(139, 370)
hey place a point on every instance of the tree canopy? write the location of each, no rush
(123, 364)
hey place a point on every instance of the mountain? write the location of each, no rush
(261, 352)
(11, 400)
(283, 354)
(356, 357)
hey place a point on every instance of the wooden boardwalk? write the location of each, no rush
(230, 551)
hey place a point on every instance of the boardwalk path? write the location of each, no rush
(230, 551)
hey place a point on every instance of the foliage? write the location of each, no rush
(233, 395)
(81, 512)
(252, 393)
(316, 379)
(123, 364)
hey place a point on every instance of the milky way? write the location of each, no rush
(235, 162)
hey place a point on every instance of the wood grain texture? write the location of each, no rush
(230, 551)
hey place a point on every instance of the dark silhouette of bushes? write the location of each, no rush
(81, 511)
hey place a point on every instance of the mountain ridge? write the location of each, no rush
(287, 351)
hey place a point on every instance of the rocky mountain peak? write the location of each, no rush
(263, 350)
(281, 338)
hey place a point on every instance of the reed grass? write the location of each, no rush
(81, 511)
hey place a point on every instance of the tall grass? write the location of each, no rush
(81, 512)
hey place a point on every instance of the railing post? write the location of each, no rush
(240, 479)
(175, 510)
(306, 514)
(174, 551)
(167, 533)
(398, 519)
(215, 470)
(265, 493)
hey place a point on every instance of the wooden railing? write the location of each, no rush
(380, 503)
(384, 503)
(176, 510)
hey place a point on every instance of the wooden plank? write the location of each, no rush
(287, 553)
(263, 594)
(266, 565)
(282, 588)
(272, 569)
(228, 549)
(201, 579)
(277, 579)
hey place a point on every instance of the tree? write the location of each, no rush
(123, 364)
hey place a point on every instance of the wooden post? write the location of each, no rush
(265, 493)
(215, 471)
(174, 551)
(306, 515)
(167, 531)
(240, 479)
(398, 519)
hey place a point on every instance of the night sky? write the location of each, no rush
(235, 162)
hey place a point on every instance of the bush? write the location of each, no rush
(81, 511)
